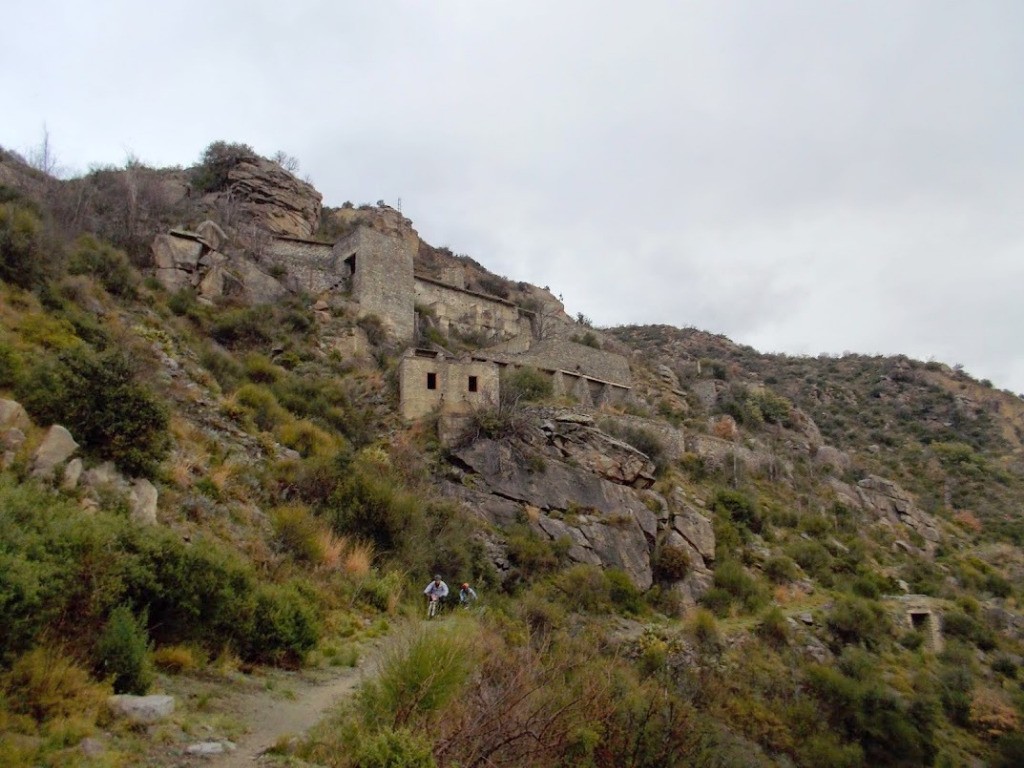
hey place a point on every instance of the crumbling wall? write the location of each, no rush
(307, 265)
(469, 313)
(382, 276)
(567, 355)
(450, 386)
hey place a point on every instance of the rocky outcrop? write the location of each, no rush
(142, 710)
(607, 524)
(888, 504)
(56, 448)
(278, 202)
(577, 440)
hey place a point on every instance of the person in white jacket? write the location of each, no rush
(436, 591)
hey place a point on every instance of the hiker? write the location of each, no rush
(436, 592)
(467, 595)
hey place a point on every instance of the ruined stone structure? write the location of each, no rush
(920, 613)
(469, 313)
(429, 381)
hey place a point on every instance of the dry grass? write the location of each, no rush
(358, 559)
(47, 684)
(175, 659)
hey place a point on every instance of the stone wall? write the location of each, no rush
(309, 266)
(451, 382)
(382, 276)
(566, 355)
(470, 313)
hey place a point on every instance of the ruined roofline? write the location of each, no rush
(447, 356)
(489, 297)
(186, 235)
(291, 239)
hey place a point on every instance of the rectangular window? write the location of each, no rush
(472, 384)
(431, 381)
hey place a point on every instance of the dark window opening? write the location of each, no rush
(351, 261)
(920, 621)
(472, 384)
(431, 381)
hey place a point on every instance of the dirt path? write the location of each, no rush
(270, 718)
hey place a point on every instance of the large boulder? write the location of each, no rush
(581, 442)
(608, 524)
(13, 416)
(275, 199)
(142, 710)
(57, 447)
(176, 250)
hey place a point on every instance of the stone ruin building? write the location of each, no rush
(371, 271)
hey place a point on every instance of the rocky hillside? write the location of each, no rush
(752, 560)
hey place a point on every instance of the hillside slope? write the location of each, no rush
(747, 559)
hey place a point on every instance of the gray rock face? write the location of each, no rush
(72, 474)
(142, 710)
(13, 416)
(56, 448)
(172, 251)
(888, 501)
(697, 530)
(591, 448)
(143, 498)
(209, 748)
(608, 524)
(281, 203)
(211, 234)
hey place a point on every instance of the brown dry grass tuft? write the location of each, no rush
(358, 559)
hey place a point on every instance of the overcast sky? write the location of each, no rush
(801, 176)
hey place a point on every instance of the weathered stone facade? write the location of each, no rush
(381, 265)
(470, 313)
(307, 266)
(569, 356)
(429, 381)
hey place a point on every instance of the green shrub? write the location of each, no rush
(525, 384)
(739, 508)
(671, 563)
(10, 366)
(26, 258)
(298, 532)
(374, 329)
(774, 627)
(812, 557)
(261, 405)
(245, 327)
(742, 588)
(781, 569)
(225, 369)
(97, 398)
(959, 625)
(216, 162)
(1009, 751)
(259, 369)
(123, 652)
(419, 674)
(856, 620)
(390, 748)
(46, 684)
(285, 625)
(111, 266)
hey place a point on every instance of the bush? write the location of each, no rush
(739, 508)
(389, 748)
(742, 588)
(774, 627)
(671, 563)
(26, 259)
(419, 674)
(109, 265)
(298, 532)
(216, 162)
(781, 569)
(122, 652)
(97, 398)
(259, 403)
(246, 327)
(856, 620)
(46, 684)
(525, 384)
